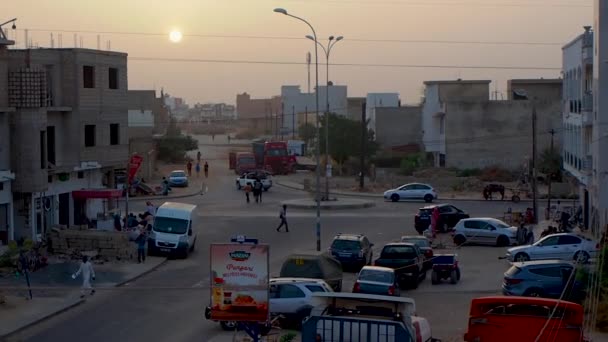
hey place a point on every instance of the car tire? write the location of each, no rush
(582, 257)
(502, 241)
(428, 198)
(395, 198)
(434, 278)
(238, 185)
(533, 292)
(454, 277)
(459, 240)
(521, 257)
(228, 325)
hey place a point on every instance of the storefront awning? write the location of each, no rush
(97, 193)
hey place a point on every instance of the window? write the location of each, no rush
(315, 288)
(445, 209)
(49, 178)
(114, 134)
(88, 76)
(442, 125)
(549, 241)
(290, 291)
(471, 224)
(43, 163)
(569, 240)
(421, 187)
(80, 174)
(50, 144)
(89, 135)
(548, 271)
(113, 78)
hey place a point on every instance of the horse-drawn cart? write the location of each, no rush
(515, 193)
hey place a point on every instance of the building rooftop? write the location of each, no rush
(537, 81)
(458, 81)
(43, 49)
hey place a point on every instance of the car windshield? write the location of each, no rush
(398, 252)
(376, 275)
(276, 152)
(417, 242)
(178, 174)
(346, 245)
(247, 160)
(170, 225)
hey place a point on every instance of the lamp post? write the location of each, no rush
(330, 44)
(317, 152)
(14, 27)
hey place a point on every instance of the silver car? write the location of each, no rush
(484, 230)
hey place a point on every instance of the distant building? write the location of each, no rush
(378, 100)
(293, 101)
(398, 126)
(464, 129)
(535, 88)
(355, 107)
(64, 119)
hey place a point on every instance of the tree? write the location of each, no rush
(345, 139)
(550, 164)
(307, 132)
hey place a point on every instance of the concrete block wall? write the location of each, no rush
(399, 126)
(487, 133)
(111, 245)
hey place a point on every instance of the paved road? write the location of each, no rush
(168, 304)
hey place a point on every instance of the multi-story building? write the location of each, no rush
(379, 100)
(577, 114)
(67, 112)
(6, 174)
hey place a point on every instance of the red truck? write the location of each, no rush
(273, 156)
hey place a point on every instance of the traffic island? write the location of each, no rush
(337, 204)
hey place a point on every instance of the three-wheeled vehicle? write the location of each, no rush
(445, 266)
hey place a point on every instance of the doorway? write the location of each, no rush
(64, 209)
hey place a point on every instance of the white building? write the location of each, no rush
(377, 100)
(295, 102)
(599, 142)
(577, 68)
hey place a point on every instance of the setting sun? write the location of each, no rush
(175, 36)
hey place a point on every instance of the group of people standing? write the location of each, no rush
(257, 188)
(197, 167)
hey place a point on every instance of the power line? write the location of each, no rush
(348, 39)
(453, 3)
(371, 65)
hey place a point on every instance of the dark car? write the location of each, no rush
(315, 265)
(353, 250)
(425, 247)
(449, 215)
(406, 259)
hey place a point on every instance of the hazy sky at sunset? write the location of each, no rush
(547, 21)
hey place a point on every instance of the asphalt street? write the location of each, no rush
(168, 304)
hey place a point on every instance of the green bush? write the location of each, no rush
(172, 149)
(409, 164)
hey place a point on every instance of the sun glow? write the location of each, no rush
(175, 36)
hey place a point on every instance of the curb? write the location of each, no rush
(42, 319)
(379, 196)
(77, 303)
(150, 198)
(154, 268)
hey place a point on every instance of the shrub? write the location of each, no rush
(468, 173)
(496, 174)
(173, 149)
(409, 164)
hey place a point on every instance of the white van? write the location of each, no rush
(172, 232)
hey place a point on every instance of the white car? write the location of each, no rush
(411, 191)
(563, 246)
(250, 177)
(291, 298)
(178, 178)
(484, 230)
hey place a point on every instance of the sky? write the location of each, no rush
(141, 28)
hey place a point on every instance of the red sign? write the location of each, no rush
(134, 165)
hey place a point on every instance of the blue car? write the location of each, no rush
(178, 178)
(352, 250)
(545, 279)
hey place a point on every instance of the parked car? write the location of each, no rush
(563, 246)
(484, 230)
(290, 298)
(449, 216)
(445, 266)
(314, 265)
(500, 318)
(411, 191)
(425, 247)
(547, 278)
(250, 177)
(178, 178)
(377, 280)
(406, 259)
(352, 250)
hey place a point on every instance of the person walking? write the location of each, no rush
(197, 168)
(189, 167)
(257, 190)
(283, 217)
(206, 167)
(198, 156)
(435, 221)
(141, 241)
(86, 269)
(247, 191)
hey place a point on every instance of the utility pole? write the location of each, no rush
(552, 132)
(363, 141)
(534, 189)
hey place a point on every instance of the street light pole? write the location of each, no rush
(330, 44)
(317, 152)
